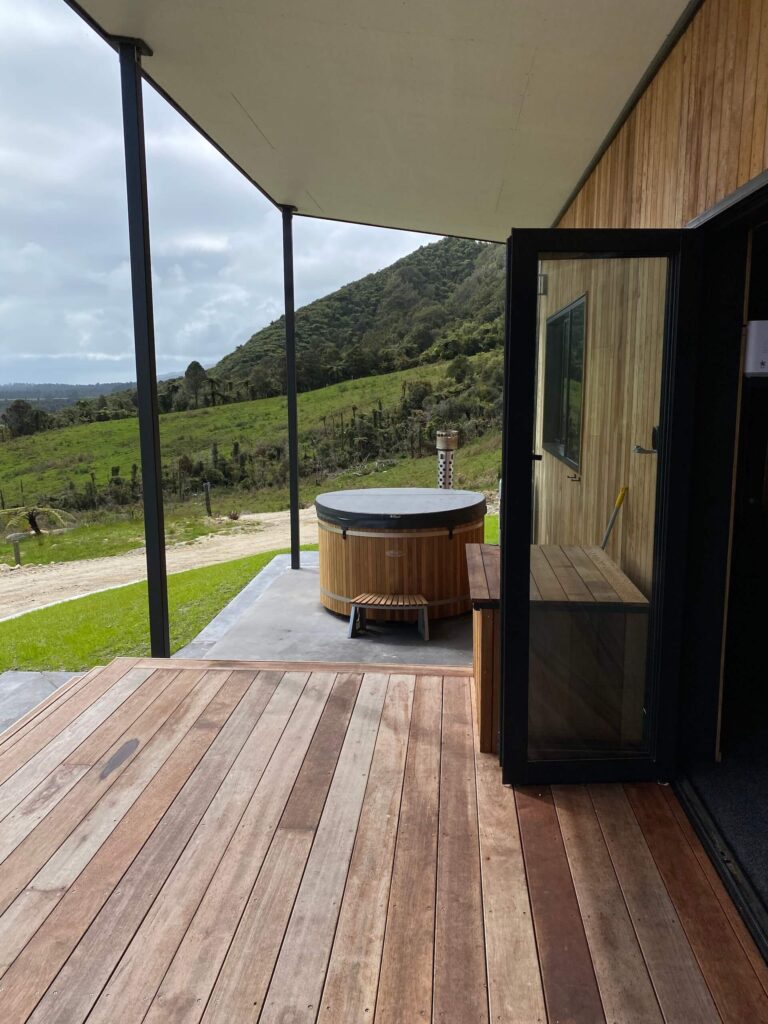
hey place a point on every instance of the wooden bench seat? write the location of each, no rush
(395, 602)
(588, 631)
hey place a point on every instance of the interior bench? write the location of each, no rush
(395, 602)
(588, 635)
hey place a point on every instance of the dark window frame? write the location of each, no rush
(557, 393)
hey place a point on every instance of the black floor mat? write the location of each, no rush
(735, 793)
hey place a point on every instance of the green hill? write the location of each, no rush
(442, 300)
(383, 362)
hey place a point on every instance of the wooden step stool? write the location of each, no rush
(394, 602)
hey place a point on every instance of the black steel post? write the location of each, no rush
(290, 385)
(144, 338)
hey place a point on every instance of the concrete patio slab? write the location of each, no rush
(278, 617)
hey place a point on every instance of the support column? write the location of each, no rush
(131, 51)
(290, 384)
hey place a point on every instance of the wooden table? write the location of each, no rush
(588, 632)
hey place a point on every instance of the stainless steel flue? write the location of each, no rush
(447, 442)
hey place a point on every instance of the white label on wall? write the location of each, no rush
(756, 359)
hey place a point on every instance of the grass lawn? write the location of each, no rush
(93, 630)
(491, 529)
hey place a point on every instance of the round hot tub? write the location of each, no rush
(398, 540)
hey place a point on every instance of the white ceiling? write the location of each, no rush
(461, 117)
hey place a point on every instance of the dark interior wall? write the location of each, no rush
(714, 428)
(745, 700)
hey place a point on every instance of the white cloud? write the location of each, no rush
(64, 271)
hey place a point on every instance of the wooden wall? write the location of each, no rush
(698, 132)
(622, 375)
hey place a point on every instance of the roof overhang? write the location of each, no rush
(460, 117)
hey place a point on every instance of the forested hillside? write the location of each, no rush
(443, 300)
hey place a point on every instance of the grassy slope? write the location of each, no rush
(47, 461)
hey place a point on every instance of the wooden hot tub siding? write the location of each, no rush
(429, 561)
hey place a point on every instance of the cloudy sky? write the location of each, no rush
(216, 242)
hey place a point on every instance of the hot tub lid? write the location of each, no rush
(400, 508)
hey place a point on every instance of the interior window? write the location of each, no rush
(563, 380)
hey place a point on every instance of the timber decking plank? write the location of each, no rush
(622, 978)
(460, 989)
(601, 589)
(191, 976)
(238, 994)
(567, 575)
(42, 763)
(742, 933)
(40, 712)
(96, 765)
(735, 988)
(353, 970)
(680, 986)
(568, 977)
(245, 811)
(297, 982)
(492, 565)
(179, 887)
(405, 983)
(622, 584)
(312, 666)
(45, 729)
(61, 848)
(305, 804)
(96, 952)
(515, 994)
(38, 964)
(476, 572)
(544, 577)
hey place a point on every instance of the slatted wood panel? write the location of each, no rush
(698, 132)
(430, 562)
(625, 301)
(245, 842)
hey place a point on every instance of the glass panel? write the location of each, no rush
(600, 342)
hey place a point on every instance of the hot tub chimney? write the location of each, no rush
(447, 442)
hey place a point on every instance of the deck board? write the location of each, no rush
(224, 841)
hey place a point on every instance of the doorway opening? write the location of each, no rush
(734, 786)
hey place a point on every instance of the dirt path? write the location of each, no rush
(33, 586)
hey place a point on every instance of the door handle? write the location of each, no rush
(535, 457)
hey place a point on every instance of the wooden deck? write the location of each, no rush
(223, 842)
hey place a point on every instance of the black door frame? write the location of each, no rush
(726, 229)
(525, 248)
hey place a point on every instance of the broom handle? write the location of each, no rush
(619, 502)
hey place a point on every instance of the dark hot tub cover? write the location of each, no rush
(400, 508)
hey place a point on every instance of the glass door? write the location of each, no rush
(596, 449)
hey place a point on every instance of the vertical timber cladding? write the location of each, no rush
(698, 132)
(625, 301)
